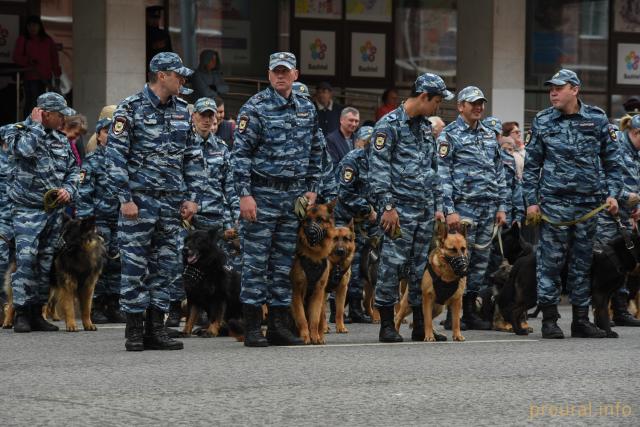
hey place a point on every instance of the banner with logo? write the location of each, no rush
(628, 64)
(317, 53)
(9, 32)
(368, 55)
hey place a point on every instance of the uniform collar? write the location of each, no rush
(581, 112)
(154, 100)
(279, 100)
(464, 126)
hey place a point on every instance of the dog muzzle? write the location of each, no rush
(459, 264)
(314, 233)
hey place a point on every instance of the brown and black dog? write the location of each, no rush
(77, 264)
(8, 310)
(310, 272)
(444, 281)
(344, 247)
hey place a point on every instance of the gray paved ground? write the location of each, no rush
(492, 379)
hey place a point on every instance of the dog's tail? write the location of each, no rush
(236, 329)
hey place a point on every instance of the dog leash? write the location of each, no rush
(536, 219)
(497, 232)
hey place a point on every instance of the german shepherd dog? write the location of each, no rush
(8, 310)
(444, 281)
(77, 264)
(369, 261)
(344, 246)
(211, 286)
(310, 272)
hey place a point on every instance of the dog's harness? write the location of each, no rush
(335, 276)
(444, 290)
(312, 270)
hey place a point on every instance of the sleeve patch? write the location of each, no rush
(527, 138)
(613, 134)
(242, 123)
(83, 175)
(380, 141)
(347, 174)
(443, 149)
(119, 125)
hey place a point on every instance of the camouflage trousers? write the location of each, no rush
(268, 247)
(607, 230)
(561, 244)
(406, 256)
(149, 251)
(109, 281)
(36, 233)
(482, 218)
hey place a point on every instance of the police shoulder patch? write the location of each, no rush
(119, 125)
(242, 123)
(443, 149)
(527, 138)
(347, 174)
(380, 140)
(613, 134)
(83, 175)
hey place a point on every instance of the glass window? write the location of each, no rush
(425, 40)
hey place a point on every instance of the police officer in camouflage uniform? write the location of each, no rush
(567, 146)
(607, 230)
(276, 158)
(152, 159)
(43, 163)
(474, 190)
(97, 199)
(404, 183)
(355, 203)
(7, 244)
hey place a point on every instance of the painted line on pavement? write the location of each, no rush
(409, 343)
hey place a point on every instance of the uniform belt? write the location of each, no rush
(282, 184)
(155, 193)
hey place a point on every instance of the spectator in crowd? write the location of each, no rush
(75, 127)
(225, 128)
(158, 39)
(341, 140)
(106, 112)
(390, 101)
(437, 124)
(328, 110)
(37, 52)
(512, 130)
(632, 105)
(207, 81)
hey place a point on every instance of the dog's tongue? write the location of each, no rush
(191, 259)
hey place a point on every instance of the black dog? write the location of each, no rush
(210, 285)
(611, 265)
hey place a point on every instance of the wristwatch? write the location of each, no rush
(389, 207)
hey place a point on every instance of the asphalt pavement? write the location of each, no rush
(494, 378)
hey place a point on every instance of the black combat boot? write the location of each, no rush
(470, 315)
(621, 315)
(550, 328)
(175, 314)
(581, 327)
(279, 327)
(447, 322)
(155, 334)
(97, 310)
(253, 326)
(37, 321)
(21, 321)
(112, 309)
(356, 313)
(388, 331)
(134, 332)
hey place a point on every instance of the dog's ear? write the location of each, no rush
(462, 229)
(441, 232)
(351, 226)
(331, 206)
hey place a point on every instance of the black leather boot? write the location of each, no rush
(550, 328)
(581, 327)
(279, 327)
(388, 331)
(356, 313)
(21, 321)
(253, 326)
(470, 316)
(112, 309)
(134, 332)
(97, 310)
(447, 322)
(621, 315)
(155, 334)
(37, 321)
(175, 314)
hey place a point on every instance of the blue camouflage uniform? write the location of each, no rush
(276, 158)
(43, 161)
(403, 175)
(473, 184)
(7, 245)
(97, 198)
(565, 157)
(154, 162)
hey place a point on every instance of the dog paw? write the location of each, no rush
(459, 338)
(90, 327)
(7, 326)
(203, 333)
(430, 338)
(522, 332)
(612, 334)
(342, 330)
(72, 328)
(318, 341)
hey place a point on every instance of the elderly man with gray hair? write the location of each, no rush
(341, 140)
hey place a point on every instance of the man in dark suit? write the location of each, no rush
(340, 141)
